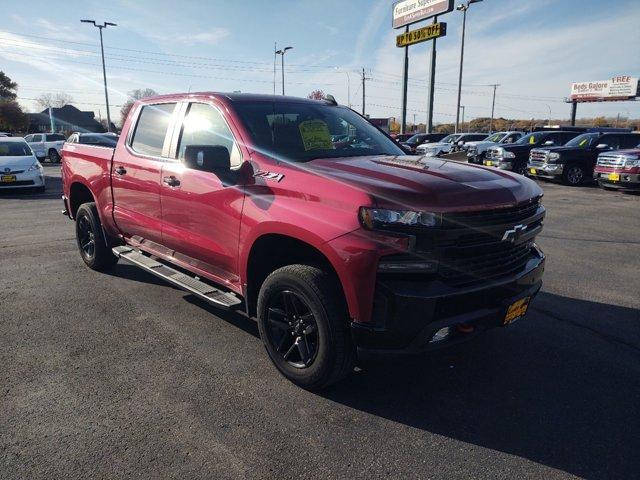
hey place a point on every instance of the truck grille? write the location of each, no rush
(493, 154)
(610, 161)
(540, 156)
(472, 150)
(469, 247)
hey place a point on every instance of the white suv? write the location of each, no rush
(477, 150)
(46, 145)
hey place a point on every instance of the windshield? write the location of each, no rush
(14, 149)
(531, 139)
(301, 132)
(582, 141)
(496, 137)
(416, 138)
(450, 138)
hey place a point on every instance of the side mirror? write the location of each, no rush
(603, 146)
(207, 158)
(548, 143)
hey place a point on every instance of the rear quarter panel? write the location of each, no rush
(90, 165)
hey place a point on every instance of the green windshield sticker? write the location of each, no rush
(532, 139)
(583, 142)
(315, 135)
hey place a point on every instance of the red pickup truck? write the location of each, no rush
(310, 219)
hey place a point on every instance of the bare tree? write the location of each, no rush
(317, 95)
(58, 100)
(134, 95)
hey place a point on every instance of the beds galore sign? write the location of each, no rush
(622, 87)
(406, 12)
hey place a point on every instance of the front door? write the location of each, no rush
(200, 214)
(136, 172)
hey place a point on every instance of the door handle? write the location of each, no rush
(121, 170)
(171, 181)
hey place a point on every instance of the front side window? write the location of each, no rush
(611, 141)
(304, 131)
(151, 129)
(204, 125)
(55, 137)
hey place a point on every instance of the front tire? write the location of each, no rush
(94, 250)
(573, 175)
(54, 156)
(303, 323)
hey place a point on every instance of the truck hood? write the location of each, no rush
(16, 163)
(426, 183)
(481, 144)
(518, 148)
(561, 149)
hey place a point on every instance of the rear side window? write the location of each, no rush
(151, 129)
(37, 138)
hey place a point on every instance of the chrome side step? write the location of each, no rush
(179, 279)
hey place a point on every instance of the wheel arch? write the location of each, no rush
(79, 193)
(271, 251)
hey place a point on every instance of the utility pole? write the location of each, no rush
(617, 119)
(432, 82)
(281, 53)
(493, 105)
(405, 81)
(275, 56)
(104, 71)
(364, 85)
(462, 122)
(463, 8)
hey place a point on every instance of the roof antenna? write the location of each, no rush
(331, 100)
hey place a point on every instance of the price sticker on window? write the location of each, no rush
(315, 135)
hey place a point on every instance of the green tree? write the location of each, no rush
(12, 118)
(7, 87)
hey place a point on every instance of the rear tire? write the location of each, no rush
(303, 323)
(94, 250)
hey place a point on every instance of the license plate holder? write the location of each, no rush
(7, 178)
(488, 163)
(533, 171)
(516, 310)
(614, 177)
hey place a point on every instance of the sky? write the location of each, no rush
(533, 48)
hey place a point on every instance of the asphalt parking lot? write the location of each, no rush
(120, 375)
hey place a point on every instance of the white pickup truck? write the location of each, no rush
(477, 150)
(46, 145)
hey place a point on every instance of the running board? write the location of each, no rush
(179, 279)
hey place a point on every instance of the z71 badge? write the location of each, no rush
(276, 177)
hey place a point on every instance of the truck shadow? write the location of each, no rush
(556, 393)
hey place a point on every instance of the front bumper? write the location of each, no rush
(415, 311)
(498, 163)
(544, 170)
(24, 179)
(618, 179)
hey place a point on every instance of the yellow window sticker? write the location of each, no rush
(532, 139)
(315, 135)
(582, 143)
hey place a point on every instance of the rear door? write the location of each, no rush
(136, 170)
(201, 216)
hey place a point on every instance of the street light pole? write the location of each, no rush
(348, 85)
(281, 53)
(463, 8)
(104, 70)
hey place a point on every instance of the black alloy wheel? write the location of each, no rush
(292, 330)
(574, 175)
(86, 238)
(54, 156)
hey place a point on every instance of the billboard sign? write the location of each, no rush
(435, 30)
(406, 12)
(621, 87)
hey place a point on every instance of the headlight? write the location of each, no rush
(372, 218)
(508, 154)
(36, 166)
(554, 156)
(630, 162)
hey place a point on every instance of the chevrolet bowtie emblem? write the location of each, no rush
(514, 234)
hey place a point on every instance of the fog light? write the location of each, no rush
(441, 335)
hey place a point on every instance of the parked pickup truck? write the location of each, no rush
(334, 246)
(514, 157)
(619, 169)
(574, 162)
(46, 145)
(477, 150)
